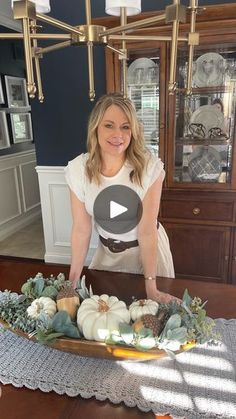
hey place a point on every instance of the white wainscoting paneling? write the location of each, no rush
(10, 204)
(19, 191)
(29, 185)
(56, 213)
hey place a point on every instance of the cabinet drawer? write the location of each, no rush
(200, 252)
(202, 210)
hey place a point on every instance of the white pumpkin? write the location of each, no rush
(42, 305)
(99, 315)
(141, 307)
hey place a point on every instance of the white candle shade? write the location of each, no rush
(133, 7)
(42, 6)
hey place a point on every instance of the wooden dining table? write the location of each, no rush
(22, 403)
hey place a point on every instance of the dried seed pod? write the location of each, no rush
(149, 321)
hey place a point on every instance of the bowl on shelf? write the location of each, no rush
(204, 164)
(143, 71)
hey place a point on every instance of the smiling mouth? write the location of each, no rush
(115, 144)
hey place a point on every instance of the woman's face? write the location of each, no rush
(114, 132)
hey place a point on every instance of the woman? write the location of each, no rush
(117, 156)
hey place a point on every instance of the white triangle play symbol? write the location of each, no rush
(116, 209)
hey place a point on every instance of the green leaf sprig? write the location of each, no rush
(44, 287)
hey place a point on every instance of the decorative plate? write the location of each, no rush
(209, 70)
(205, 164)
(94, 349)
(143, 71)
(209, 116)
(149, 119)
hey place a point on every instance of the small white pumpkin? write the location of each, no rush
(42, 305)
(99, 315)
(141, 307)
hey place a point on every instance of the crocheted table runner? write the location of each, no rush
(200, 383)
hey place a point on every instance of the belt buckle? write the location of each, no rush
(115, 246)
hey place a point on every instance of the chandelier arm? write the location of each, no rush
(88, 12)
(11, 35)
(144, 38)
(28, 57)
(39, 80)
(110, 37)
(58, 23)
(134, 25)
(174, 49)
(123, 21)
(118, 51)
(193, 40)
(46, 36)
(54, 47)
(50, 36)
(37, 65)
(90, 52)
(91, 72)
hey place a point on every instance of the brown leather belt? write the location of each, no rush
(117, 246)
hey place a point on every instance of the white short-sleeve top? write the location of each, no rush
(87, 191)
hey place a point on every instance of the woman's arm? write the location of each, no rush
(148, 240)
(80, 237)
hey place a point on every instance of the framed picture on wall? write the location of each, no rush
(1, 92)
(21, 127)
(4, 136)
(17, 95)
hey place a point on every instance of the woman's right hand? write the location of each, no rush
(164, 298)
(161, 297)
(74, 283)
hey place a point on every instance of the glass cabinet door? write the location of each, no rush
(144, 91)
(205, 120)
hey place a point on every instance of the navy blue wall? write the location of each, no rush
(60, 123)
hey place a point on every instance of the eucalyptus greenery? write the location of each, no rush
(13, 311)
(186, 322)
(183, 323)
(44, 287)
(13, 308)
(82, 290)
(59, 325)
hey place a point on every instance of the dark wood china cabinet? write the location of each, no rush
(195, 137)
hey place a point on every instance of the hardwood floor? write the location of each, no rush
(27, 242)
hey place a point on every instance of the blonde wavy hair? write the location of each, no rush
(136, 153)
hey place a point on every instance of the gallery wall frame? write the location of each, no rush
(1, 93)
(16, 91)
(4, 135)
(21, 125)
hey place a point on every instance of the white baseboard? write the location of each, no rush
(65, 259)
(56, 258)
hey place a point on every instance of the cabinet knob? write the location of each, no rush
(196, 211)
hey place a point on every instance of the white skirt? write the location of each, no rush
(129, 260)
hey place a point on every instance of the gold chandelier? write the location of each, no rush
(32, 12)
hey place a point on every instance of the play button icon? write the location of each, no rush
(117, 209)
